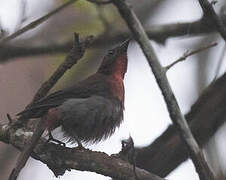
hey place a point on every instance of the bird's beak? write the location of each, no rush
(124, 46)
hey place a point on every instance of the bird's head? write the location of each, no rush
(115, 62)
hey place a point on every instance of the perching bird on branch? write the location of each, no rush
(90, 110)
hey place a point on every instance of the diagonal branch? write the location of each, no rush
(211, 14)
(72, 58)
(178, 119)
(75, 54)
(190, 53)
(35, 23)
(206, 116)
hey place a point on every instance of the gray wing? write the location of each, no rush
(40, 107)
(90, 119)
(94, 85)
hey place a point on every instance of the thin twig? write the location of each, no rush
(190, 53)
(209, 12)
(178, 119)
(75, 54)
(35, 23)
(100, 2)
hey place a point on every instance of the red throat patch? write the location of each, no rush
(120, 66)
(116, 79)
(117, 86)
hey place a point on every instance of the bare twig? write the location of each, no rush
(190, 53)
(209, 12)
(35, 23)
(100, 2)
(178, 119)
(75, 54)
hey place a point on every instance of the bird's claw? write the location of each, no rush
(80, 146)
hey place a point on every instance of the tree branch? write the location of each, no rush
(211, 14)
(75, 54)
(190, 53)
(167, 152)
(72, 58)
(179, 121)
(205, 117)
(100, 2)
(35, 23)
(59, 159)
(159, 33)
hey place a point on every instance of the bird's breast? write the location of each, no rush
(117, 87)
(91, 119)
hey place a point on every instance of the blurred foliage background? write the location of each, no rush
(30, 59)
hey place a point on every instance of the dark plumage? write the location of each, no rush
(91, 109)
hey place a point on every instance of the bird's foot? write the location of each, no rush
(80, 146)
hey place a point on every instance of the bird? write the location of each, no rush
(88, 112)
